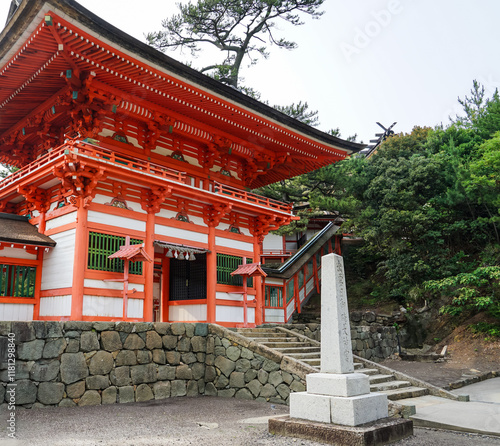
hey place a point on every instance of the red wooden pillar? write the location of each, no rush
(258, 282)
(80, 263)
(165, 287)
(211, 274)
(38, 283)
(149, 267)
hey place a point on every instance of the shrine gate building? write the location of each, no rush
(124, 152)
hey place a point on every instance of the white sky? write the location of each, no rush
(363, 61)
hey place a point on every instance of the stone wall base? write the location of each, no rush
(380, 432)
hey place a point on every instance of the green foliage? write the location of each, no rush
(300, 112)
(492, 330)
(238, 28)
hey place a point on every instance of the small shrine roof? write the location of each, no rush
(250, 270)
(134, 253)
(16, 229)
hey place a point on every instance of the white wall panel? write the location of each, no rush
(108, 285)
(274, 315)
(116, 221)
(58, 263)
(309, 285)
(188, 313)
(17, 253)
(234, 244)
(302, 294)
(55, 305)
(273, 242)
(135, 308)
(60, 221)
(289, 309)
(224, 313)
(16, 312)
(188, 236)
(165, 213)
(102, 306)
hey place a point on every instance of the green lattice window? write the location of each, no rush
(103, 245)
(226, 264)
(17, 280)
(274, 296)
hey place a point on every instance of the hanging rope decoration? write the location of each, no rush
(180, 252)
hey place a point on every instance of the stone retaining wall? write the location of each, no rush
(91, 363)
(373, 342)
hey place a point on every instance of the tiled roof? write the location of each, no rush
(250, 269)
(132, 252)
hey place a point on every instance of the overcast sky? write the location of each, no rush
(363, 61)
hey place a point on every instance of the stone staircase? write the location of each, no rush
(308, 351)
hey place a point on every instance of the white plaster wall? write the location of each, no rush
(237, 297)
(60, 221)
(187, 313)
(16, 253)
(135, 308)
(57, 271)
(309, 285)
(102, 306)
(55, 305)
(108, 285)
(16, 312)
(273, 242)
(224, 313)
(116, 221)
(274, 315)
(188, 236)
(289, 309)
(234, 244)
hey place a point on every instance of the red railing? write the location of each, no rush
(249, 197)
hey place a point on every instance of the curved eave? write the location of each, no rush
(29, 9)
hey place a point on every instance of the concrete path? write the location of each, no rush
(480, 415)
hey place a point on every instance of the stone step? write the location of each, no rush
(264, 334)
(389, 385)
(302, 356)
(358, 366)
(369, 371)
(376, 379)
(406, 392)
(312, 362)
(304, 349)
(279, 345)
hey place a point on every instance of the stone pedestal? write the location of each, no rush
(338, 406)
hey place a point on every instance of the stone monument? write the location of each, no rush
(337, 396)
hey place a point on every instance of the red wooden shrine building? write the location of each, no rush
(124, 152)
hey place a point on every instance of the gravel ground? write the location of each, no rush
(206, 421)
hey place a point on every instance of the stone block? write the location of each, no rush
(188, 358)
(242, 365)
(73, 367)
(283, 390)
(101, 363)
(50, 393)
(109, 395)
(178, 328)
(275, 378)
(97, 382)
(126, 394)
(23, 332)
(199, 344)
(310, 407)
(210, 389)
(247, 354)
(237, 379)
(54, 348)
(75, 390)
(146, 373)
(270, 366)
(226, 393)
(159, 356)
(23, 370)
(90, 398)
(161, 390)
(126, 357)
(124, 327)
(173, 358)
(262, 376)
(44, 371)
(67, 402)
(134, 342)
(25, 392)
(201, 329)
(169, 342)
(120, 376)
(143, 393)
(89, 342)
(103, 326)
(178, 387)
(210, 373)
(77, 326)
(110, 341)
(192, 388)
(268, 391)
(183, 372)
(31, 350)
(189, 330)
(166, 372)
(351, 384)
(184, 344)
(198, 370)
(255, 386)
(243, 394)
(221, 381)
(225, 365)
(233, 353)
(153, 340)
(144, 356)
(73, 346)
(250, 375)
(219, 350)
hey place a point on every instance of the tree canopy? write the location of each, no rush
(238, 28)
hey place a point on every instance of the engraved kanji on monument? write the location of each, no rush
(337, 394)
